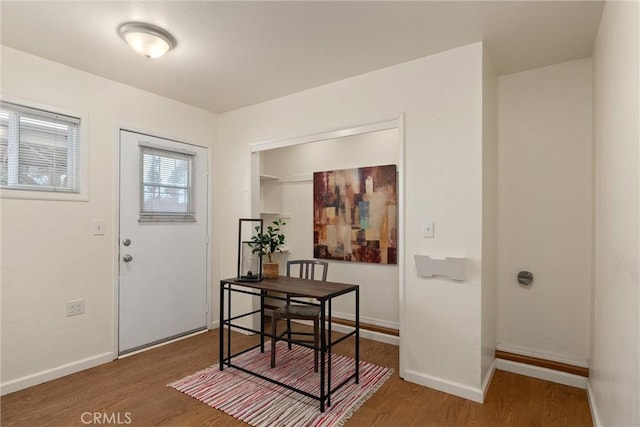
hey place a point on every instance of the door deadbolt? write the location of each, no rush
(127, 258)
(126, 242)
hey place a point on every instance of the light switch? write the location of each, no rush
(98, 227)
(428, 228)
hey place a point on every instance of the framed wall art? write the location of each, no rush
(355, 214)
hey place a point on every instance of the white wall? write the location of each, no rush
(49, 255)
(545, 222)
(379, 289)
(441, 96)
(614, 383)
(489, 213)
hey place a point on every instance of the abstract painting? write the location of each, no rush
(355, 215)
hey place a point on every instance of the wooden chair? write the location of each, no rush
(308, 269)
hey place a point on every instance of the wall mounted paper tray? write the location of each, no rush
(452, 268)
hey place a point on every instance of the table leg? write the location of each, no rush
(357, 335)
(262, 295)
(329, 358)
(229, 322)
(323, 349)
(221, 331)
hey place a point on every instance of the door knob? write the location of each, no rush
(126, 242)
(127, 258)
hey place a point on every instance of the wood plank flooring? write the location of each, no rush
(134, 389)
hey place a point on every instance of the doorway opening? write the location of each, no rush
(282, 187)
(163, 245)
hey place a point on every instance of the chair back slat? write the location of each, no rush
(307, 268)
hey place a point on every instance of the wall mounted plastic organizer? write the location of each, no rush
(452, 268)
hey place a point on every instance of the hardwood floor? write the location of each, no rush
(132, 391)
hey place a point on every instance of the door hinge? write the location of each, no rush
(206, 307)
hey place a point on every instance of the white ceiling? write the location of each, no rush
(233, 54)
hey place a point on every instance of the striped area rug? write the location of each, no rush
(260, 403)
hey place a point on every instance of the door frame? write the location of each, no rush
(396, 122)
(116, 233)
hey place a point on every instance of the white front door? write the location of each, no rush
(162, 240)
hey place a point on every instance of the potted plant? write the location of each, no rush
(267, 243)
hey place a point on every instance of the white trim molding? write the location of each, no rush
(83, 156)
(592, 406)
(363, 319)
(542, 373)
(55, 373)
(372, 335)
(475, 394)
(539, 355)
(487, 379)
(322, 136)
(461, 390)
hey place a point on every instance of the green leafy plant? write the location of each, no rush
(270, 241)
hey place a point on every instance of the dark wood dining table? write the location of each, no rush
(300, 291)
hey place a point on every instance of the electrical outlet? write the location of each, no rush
(75, 307)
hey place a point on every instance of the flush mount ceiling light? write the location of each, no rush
(146, 39)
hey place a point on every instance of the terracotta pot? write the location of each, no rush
(271, 270)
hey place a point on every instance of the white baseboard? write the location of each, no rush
(364, 333)
(487, 379)
(446, 386)
(592, 406)
(368, 320)
(540, 355)
(372, 335)
(54, 373)
(542, 373)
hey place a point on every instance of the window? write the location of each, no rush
(39, 150)
(166, 185)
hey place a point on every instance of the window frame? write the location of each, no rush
(35, 193)
(149, 216)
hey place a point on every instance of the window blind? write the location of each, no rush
(39, 150)
(166, 185)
